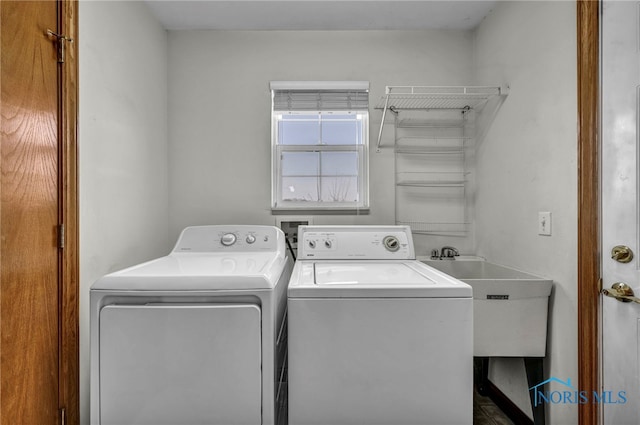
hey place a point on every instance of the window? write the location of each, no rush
(320, 145)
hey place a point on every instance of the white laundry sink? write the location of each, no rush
(510, 307)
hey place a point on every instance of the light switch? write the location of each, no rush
(544, 223)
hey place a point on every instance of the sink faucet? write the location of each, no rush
(448, 252)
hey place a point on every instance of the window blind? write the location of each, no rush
(320, 96)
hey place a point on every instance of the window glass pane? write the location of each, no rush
(298, 129)
(339, 163)
(341, 130)
(320, 176)
(300, 189)
(300, 164)
(339, 189)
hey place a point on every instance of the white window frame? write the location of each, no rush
(277, 202)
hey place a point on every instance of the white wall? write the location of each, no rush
(140, 187)
(122, 148)
(219, 111)
(527, 164)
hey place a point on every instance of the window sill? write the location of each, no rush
(321, 211)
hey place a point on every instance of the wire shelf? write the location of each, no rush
(430, 97)
(426, 228)
(431, 179)
(443, 98)
(431, 123)
(430, 150)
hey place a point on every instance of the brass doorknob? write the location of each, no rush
(621, 292)
(622, 254)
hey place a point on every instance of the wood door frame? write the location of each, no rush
(588, 284)
(69, 367)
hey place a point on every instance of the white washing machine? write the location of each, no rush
(375, 337)
(196, 337)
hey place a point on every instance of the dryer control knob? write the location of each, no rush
(228, 239)
(250, 239)
(328, 243)
(312, 244)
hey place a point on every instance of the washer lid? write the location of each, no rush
(202, 271)
(373, 279)
(391, 274)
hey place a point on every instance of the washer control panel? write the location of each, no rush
(230, 238)
(322, 242)
(355, 242)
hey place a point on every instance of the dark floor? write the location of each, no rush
(485, 412)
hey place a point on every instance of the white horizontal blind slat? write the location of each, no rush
(320, 100)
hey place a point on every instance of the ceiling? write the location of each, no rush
(320, 14)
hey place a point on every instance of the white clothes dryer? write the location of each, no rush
(196, 337)
(375, 337)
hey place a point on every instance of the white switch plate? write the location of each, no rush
(544, 223)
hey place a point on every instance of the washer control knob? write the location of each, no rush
(391, 243)
(250, 239)
(312, 244)
(328, 243)
(228, 239)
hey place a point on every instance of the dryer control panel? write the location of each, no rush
(238, 238)
(355, 242)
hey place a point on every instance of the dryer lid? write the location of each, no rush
(188, 272)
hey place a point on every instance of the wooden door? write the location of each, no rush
(34, 300)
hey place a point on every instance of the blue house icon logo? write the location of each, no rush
(539, 393)
(568, 394)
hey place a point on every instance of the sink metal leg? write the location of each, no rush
(482, 365)
(534, 367)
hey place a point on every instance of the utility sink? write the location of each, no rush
(510, 307)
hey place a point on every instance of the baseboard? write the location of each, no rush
(507, 406)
